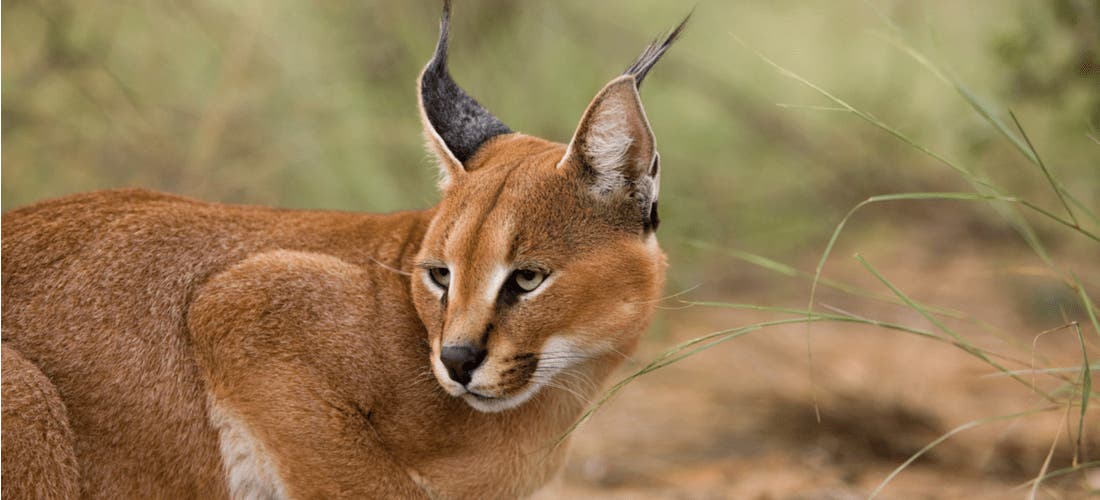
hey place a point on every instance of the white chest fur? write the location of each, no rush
(250, 472)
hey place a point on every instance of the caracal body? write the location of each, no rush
(156, 346)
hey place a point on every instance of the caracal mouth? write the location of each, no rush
(478, 400)
(555, 356)
(494, 404)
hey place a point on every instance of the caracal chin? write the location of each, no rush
(162, 347)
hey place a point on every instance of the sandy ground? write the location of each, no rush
(738, 420)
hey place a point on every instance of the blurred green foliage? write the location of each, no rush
(312, 104)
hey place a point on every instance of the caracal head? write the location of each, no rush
(542, 258)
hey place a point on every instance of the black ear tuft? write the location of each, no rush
(654, 51)
(457, 118)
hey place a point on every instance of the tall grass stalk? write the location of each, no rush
(985, 191)
(944, 437)
(1046, 461)
(980, 353)
(1063, 471)
(1024, 146)
(1086, 393)
(961, 341)
(855, 291)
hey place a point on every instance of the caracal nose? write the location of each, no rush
(461, 361)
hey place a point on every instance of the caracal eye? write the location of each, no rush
(528, 279)
(440, 276)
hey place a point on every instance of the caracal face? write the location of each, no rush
(523, 275)
(541, 260)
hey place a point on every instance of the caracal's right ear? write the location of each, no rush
(455, 125)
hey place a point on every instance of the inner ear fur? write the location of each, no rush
(613, 147)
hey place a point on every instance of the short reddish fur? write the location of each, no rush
(133, 319)
(135, 304)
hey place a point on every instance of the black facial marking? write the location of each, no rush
(458, 119)
(521, 371)
(511, 291)
(485, 336)
(653, 220)
(647, 202)
(528, 367)
(508, 295)
(496, 198)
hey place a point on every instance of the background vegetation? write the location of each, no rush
(312, 104)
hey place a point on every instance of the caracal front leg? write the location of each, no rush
(283, 342)
(39, 460)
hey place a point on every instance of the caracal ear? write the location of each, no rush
(455, 125)
(613, 148)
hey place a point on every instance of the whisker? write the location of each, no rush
(567, 354)
(620, 353)
(580, 397)
(555, 358)
(581, 379)
(389, 268)
(567, 376)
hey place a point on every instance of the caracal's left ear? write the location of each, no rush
(613, 149)
(455, 125)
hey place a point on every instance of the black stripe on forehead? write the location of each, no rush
(484, 215)
(496, 198)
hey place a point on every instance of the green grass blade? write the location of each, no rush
(1063, 471)
(670, 356)
(1056, 186)
(972, 99)
(1082, 208)
(876, 199)
(1086, 392)
(787, 270)
(751, 258)
(818, 316)
(868, 118)
(1047, 371)
(963, 343)
(1034, 493)
(981, 185)
(946, 436)
(975, 103)
(914, 196)
(844, 318)
(1089, 306)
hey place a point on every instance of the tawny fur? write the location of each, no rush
(138, 305)
(161, 347)
(37, 442)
